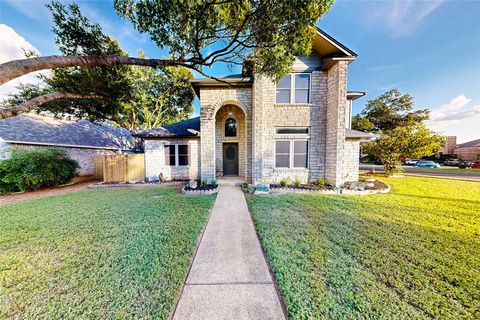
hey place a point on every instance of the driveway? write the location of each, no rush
(440, 172)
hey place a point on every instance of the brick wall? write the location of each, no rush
(155, 160)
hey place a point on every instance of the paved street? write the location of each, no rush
(440, 172)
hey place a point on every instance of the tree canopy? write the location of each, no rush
(390, 110)
(400, 129)
(128, 95)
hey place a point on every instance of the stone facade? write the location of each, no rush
(155, 160)
(84, 156)
(253, 105)
(211, 100)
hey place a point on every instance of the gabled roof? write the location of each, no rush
(41, 130)
(355, 134)
(325, 45)
(469, 144)
(183, 129)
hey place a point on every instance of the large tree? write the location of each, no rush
(114, 93)
(201, 33)
(390, 110)
(400, 130)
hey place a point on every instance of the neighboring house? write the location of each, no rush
(264, 132)
(465, 151)
(468, 150)
(82, 139)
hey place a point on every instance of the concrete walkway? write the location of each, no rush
(229, 277)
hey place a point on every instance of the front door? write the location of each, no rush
(230, 159)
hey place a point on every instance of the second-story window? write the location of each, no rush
(294, 88)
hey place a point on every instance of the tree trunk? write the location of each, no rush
(29, 105)
(16, 68)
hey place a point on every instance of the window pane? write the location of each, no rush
(285, 82)
(170, 155)
(183, 149)
(183, 160)
(300, 161)
(282, 161)
(282, 147)
(283, 96)
(302, 81)
(230, 127)
(297, 130)
(301, 96)
(300, 147)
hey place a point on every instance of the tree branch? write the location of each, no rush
(16, 68)
(31, 104)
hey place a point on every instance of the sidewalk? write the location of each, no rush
(229, 277)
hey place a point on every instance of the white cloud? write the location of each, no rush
(457, 118)
(12, 48)
(401, 17)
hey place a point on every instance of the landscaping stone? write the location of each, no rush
(193, 184)
(361, 186)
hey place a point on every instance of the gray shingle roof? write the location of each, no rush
(355, 134)
(183, 129)
(473, 143)
(36, 129)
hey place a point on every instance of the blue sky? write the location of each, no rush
(430, 49)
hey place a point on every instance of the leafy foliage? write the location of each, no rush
(33, 169)
(269, 33)
(409, 254)
(98, 254)
(158, 97)
(407, 141)
(400, 129)
(389, 111)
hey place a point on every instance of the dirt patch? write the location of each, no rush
(42, 193)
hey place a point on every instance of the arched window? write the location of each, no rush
(230, 127)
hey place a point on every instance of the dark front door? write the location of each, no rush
(230, 159)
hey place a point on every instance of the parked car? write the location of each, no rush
(465, 164)
(452, 162)
(411, 162)
(427, 164)
(476, 165)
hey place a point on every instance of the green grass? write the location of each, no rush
(410, 254)
(98, 254)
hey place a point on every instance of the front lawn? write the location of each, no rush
(410, 254)
(98, 254)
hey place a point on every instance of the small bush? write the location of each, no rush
(244, 185)
(33, 169)
(297, 183)
(214, 183)
(285, 182)
(204, 183)
(321, 182)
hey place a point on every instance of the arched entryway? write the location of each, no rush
(230, 141)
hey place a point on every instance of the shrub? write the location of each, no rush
(285, 182)
(321, 182)
(297, 182)
(204, 183)
(214, 183)
(33, 169)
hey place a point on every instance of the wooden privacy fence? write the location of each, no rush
(120, 168)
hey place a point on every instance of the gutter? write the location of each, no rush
(64, 145)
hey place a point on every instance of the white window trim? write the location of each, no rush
(177, 154)
(291, 154)
(292, 89)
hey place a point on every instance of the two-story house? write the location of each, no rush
(262, 131)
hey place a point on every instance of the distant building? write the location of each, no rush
(466, 151)
(449, 146)
(82, 140)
